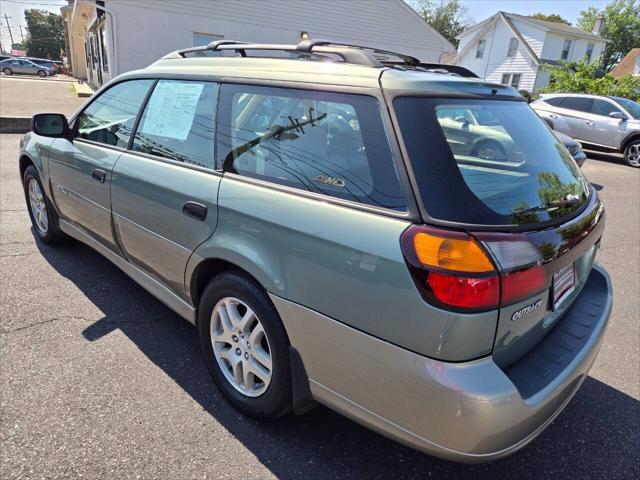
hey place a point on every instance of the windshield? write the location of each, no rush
(488, 162)
(633, 108)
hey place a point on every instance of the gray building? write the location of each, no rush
(109, 37)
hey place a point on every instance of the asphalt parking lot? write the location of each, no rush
(98, 379)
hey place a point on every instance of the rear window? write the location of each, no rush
(488, 162)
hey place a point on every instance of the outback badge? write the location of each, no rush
(518, 314)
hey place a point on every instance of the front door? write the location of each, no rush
(164, 192)
(80, 169)
(604, 130)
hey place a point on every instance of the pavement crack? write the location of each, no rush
(42, 322)
(17, 255)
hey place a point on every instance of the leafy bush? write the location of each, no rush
(580, 77)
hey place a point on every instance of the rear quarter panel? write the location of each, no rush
(342, 262)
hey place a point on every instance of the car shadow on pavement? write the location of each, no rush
(598, 435)
(607, 157)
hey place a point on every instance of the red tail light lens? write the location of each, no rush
(521, 284)
(465, 292)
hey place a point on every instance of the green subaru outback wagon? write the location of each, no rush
(340, 233)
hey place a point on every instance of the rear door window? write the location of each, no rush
(329, 143)
(109, 119)
(178, 122)
(488, 162)
(579, 104)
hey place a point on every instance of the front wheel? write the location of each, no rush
(632, 154)
(245, 346)
(7, 71)
(43, 217)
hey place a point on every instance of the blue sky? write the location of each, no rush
(568, 9)
(478, 10)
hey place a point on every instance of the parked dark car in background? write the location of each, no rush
(574, 147)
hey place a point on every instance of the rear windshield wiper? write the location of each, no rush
(569, 201)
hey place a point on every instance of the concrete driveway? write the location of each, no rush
(98, 379)
(24, 96)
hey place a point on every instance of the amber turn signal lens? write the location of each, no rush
(462, 255)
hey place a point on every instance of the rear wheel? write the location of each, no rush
(7, 71)
(42, 73)
(632, 153)
(245, 345)
(43, 217)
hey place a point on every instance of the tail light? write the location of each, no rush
(453, 270)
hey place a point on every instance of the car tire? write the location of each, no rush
(632, 153)
(43, 216)
(42, 73)
(234, 290)
(7, 71)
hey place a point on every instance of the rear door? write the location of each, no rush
(80, 169)
(164, 190)
(574, 111)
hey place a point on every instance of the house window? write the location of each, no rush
(480, 50)
(204, 39)
(512, 79)
(589, 53)
(513, 47)
(636, 68)
(566, 48)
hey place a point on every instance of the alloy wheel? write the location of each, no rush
(241, 347)
(633, 155)
(38, 206)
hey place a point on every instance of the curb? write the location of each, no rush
(15, 124)
(82, 89)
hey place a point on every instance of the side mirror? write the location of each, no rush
(618, 115)
(461, 119)
(50, 125)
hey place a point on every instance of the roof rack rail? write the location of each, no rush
(437, 68)
(349, 53)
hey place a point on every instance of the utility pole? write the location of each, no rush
(9, 27)
(21, 34)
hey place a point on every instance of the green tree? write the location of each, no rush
(46, 34)
(580, 77)
(552, 17)
(621, 28)
(449, 17)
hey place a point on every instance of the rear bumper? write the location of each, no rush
(467, 412)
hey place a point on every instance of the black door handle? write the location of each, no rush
(195, 210)
(99, 175)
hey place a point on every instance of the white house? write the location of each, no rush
(109, 37)
(510, 48)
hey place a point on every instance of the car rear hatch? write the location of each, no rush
(565, 255)
(487, 170)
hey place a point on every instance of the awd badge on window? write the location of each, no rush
(330, 181)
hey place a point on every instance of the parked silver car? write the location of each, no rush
(22, 65)
(612, 123)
